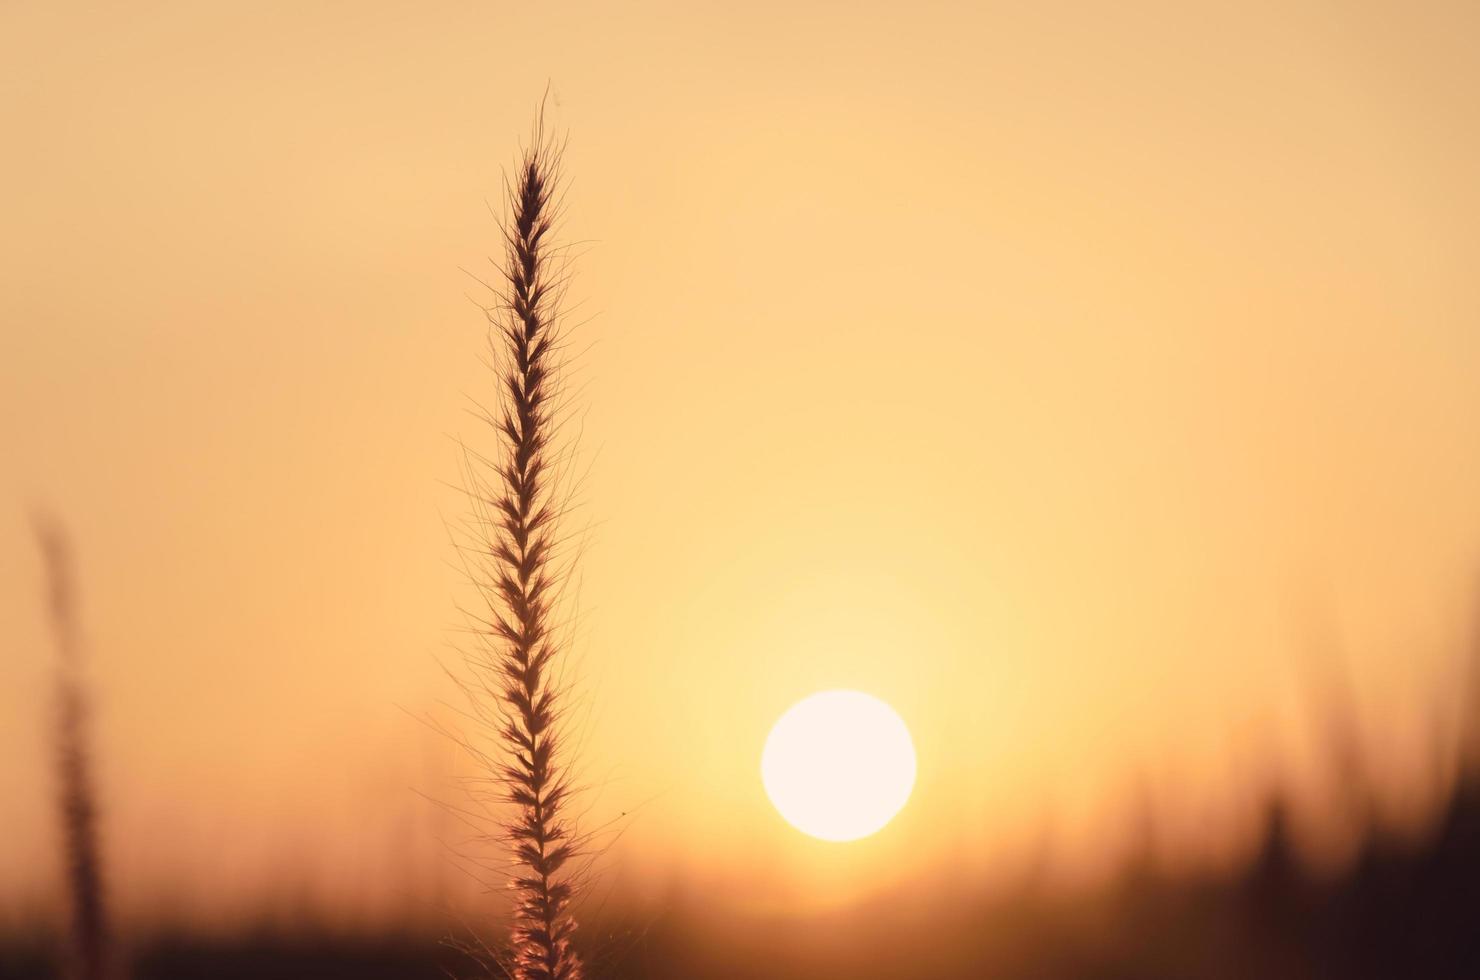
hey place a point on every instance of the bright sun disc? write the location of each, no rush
(839, 765)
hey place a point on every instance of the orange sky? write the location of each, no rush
(1064, 374)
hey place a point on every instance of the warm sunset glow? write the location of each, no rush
(839, 765)
(1095, 384)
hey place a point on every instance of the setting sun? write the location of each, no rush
(839, 765)
(692, 491)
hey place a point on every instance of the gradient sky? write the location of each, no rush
(1092, 382)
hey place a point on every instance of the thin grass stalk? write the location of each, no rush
(90, 954)
(520, 583)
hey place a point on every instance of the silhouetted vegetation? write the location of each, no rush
(1398, 909)
(90, 953)
(512, 558)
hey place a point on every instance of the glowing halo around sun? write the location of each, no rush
(838, 765)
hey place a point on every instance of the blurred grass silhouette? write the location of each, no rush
(90, 954)
(1401, 907)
